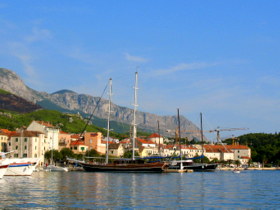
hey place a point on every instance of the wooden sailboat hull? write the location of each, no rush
(147, 167)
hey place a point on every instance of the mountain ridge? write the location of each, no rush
(68, 100)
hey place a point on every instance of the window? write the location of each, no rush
(15, 155)
(16, 139)
(35, 147)
(25, 139)
(35, 155)
(24, 155)
(25, 147)
(112, 152)
(75, 148)
(82, 148)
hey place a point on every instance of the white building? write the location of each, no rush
(51, 133)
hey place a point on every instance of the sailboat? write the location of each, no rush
(189, 163)
(124, 165)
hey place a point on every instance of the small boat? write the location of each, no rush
(56, 168)
(3, 169)
(236, 171)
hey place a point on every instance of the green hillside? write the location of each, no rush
(71, 123)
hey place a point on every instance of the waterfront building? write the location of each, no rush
(78, 147)
(156, 138)
(94, 140)
(3, 141)
(64, 140)
(27, 144)
(241, 152)
(51, 133)
(117, 150)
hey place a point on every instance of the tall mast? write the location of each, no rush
(108, 121)
(179, 136)
(179, 131)
(201, 133)
(134, 115)
(158, 139)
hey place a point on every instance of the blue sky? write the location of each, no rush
(220, 58)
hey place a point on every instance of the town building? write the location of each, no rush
(64, 140)
(51, 133)
(27, 144)
(228, 152)
(156, 138)
(94, 141)
(117, 150)
(4, 140)
(78, 147)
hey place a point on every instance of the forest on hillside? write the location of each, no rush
(265, 148)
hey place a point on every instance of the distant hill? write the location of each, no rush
(12, 102)
(72, 102)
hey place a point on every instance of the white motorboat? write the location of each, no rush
(20, 166)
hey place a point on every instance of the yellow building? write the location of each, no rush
(3, 141)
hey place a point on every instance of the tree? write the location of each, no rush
(128, 154)
(56, 155)
(66, 152)
(92, 153)
(237, 162)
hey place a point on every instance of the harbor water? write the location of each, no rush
(83, 190)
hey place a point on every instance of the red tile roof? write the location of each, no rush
(78, 142)
(25, 134)
(62, 132)
(217, 148)
(6, 131)
(75, 136)
(144, 141)
(154, 135)
(47, 124)
(125, 141)
(237, 147)
(105, 142)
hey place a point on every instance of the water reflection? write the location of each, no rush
(139, 190)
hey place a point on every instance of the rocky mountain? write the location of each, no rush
(67, 100)
(12, 102)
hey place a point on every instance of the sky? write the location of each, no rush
(219, 58)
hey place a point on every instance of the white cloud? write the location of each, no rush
(78, 54)
(184, 67)
(133, 58)
(38, 35)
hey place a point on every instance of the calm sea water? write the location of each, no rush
(82, 190)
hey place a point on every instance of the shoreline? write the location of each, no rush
(252, 169)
